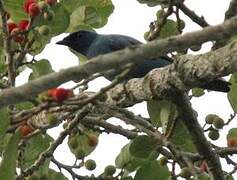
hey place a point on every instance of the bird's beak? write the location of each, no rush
(62, 42)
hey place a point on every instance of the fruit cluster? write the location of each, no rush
(216, 123)
(33, 8)
(109, 170)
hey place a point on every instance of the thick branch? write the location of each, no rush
(187, 72)
(203, 146)
(119, 58)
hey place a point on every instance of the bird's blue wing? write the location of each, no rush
(104, 44)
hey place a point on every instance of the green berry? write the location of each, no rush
(197, 92)
(80, 154)
(218, 123)
(52, 119)
(185, 172)
(109, 170)
(214, 134)
(146, 34)
(49, 15)
(90, 164)
(44, 30)
(210, 117)
(92, 140)
(163, 160)
(73, 143)
(65, 125)
(182, 24)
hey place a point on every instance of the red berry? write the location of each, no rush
(232, 142)
(60, 94)
(11, 26)
(25, 130)
(50, 2)
(17, 37)
(23, 25)
(34, 10)
(27, 4)
(51, 91)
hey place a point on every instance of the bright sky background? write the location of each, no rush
(133, 19)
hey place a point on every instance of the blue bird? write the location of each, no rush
(91, 44)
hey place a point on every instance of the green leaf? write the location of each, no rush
(153, 108)
(77, 20)
(4, 121)
(177, 138)
(232, 133)
(15, 8)
(142, 146)
(87, 13)
(8, 163)
(40, 68)
(53, 175)
(4, 142)
(129, 162)
(92, 17)
(61, 21)
(162, 113)
(152, 171)
(232, 94)
(34, 147)
(39, 43)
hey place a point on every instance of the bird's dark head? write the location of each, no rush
(79, 41)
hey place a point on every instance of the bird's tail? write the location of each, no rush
(218, 85)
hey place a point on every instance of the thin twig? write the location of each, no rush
(192, 15)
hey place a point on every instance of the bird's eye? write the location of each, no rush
(79, 35)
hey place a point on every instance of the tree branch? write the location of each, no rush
(7, 46)
(112, 60)
(203, 146)
(232, 10)
(192, 15)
